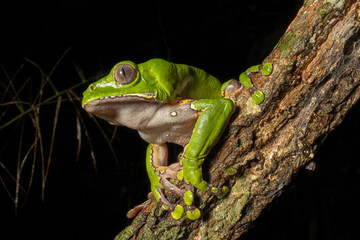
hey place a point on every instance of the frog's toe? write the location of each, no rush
(224, 192)
(220, 192)
(178, 212)
(134, 211)
(266, 69)
(258, 96)
(193, 215)
(189, 198)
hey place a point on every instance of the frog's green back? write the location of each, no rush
(180, 80)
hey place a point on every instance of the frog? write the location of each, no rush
(171, 103)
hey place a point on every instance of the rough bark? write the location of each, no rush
(314, 83)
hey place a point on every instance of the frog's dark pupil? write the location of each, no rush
(123, 72)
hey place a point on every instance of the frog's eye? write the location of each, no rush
(125, 74)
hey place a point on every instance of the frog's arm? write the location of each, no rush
(210, 124)
(208, 128)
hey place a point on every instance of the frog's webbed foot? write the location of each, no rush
(247, 77)
(187, 194)
(170, 173)
(232, 89)
(177, 211)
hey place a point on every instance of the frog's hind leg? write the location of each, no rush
(159, 174)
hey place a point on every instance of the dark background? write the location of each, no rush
(223, 38)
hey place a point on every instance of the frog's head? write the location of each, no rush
(127, 84)
(124, 80)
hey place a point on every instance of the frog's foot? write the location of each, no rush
(169, 186)
(164, 173)
(192, 212)
(177, 211)
(247, 77)
(174, 172)
(171, 173)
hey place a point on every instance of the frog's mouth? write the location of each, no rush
(122, 109)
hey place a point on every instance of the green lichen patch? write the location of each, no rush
(230, 171)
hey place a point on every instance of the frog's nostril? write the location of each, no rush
(92, 87)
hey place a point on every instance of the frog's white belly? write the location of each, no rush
(156, 122)
(170, 124)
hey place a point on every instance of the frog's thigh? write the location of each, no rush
(159, 156)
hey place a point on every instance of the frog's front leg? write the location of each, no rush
(208, 128)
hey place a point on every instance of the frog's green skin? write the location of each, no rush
(167, 102)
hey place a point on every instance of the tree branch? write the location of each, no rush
(315, 82)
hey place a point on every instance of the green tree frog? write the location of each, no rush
(175, 103)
